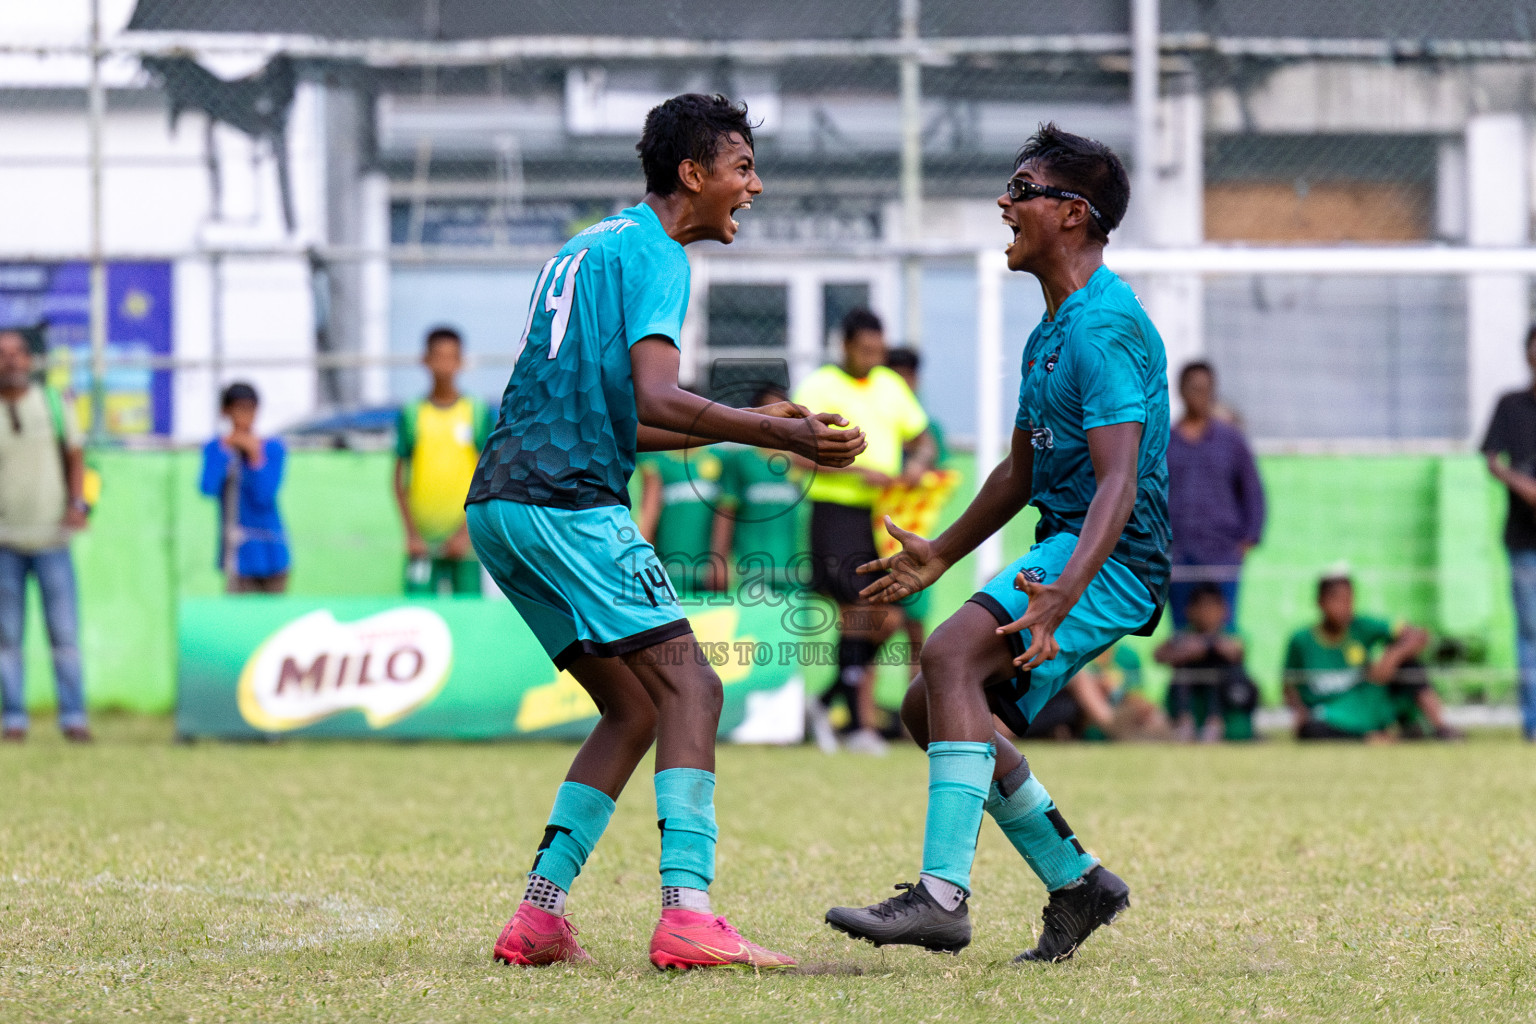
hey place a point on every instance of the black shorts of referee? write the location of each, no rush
(842, 539)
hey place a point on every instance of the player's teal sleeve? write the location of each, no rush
(654, 278)
(1112, 372)
(405, 431)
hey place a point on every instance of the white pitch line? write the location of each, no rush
(352, 921)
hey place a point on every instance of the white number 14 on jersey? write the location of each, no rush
(560, 272)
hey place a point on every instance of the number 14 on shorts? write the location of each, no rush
(654, 581)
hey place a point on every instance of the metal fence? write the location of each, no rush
(1333, 207)
(1332, 204)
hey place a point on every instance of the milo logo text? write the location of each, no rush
(385, 666)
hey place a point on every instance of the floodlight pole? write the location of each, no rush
(991, 268)
(911, 174)
(1144, 83)
(95, 118)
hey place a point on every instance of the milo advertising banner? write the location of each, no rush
(454, 668)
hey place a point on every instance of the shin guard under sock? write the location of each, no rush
(958, 774)
(1030, 820)
(685, 814)
(576, 823)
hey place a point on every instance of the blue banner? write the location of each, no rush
(56, 297)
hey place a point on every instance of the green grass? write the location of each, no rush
(323, 882)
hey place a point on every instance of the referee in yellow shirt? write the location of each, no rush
(867, 392)
(437, 446)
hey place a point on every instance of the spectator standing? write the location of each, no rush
(1355, 677)
(1215, 497)
(243, 473)
(916, 607)
(1510, 447)
(437, 446)
(42, 474)
(865, 391)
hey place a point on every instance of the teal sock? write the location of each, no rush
(576, 823)
(958, 773)
(1036, 829)
(685, 813)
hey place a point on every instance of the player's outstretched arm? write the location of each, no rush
(1114, 450)
(921, 562)
(654, 439)
(822, 437)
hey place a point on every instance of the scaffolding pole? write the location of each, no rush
(911, 177)
(96, 118)
(1144, 72)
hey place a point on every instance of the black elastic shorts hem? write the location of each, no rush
(842, 539)
(1003, 695)
(992, 605)
(624, 645)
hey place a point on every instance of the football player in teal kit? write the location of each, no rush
(1089, 451)
(594, 380)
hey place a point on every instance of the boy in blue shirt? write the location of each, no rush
(243, 472)
(594, 380)
(1089, 451)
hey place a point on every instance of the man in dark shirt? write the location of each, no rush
(1510, 446)
(1215, 498)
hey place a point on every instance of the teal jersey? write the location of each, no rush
(566, 434)
(1099, 362)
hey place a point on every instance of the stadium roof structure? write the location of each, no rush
(1421, 25)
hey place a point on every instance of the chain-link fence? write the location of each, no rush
(316, 186)
(1332, 205)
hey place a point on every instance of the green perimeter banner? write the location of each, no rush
(445, 668)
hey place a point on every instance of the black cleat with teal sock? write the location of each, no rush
(913, 918)
(1073, 914)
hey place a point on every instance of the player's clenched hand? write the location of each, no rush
(909, 570)
(821, 440)
(1048, 606)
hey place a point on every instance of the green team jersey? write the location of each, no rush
(1330, 678)
(941, 448)
(690, 492)
(763, 495)
(1128, 663)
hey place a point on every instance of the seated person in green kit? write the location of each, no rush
(1351, 677)
(679, 493)
(1089, 707)
(757, 530)
(1209, 686)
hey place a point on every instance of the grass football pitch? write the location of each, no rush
(334, 882)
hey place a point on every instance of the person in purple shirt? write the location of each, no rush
(243, 472)
(1215, 497)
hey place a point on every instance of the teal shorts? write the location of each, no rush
(584, 580)
(1115, 604)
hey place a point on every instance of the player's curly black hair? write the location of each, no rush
(1085, 166)
(687, 127)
